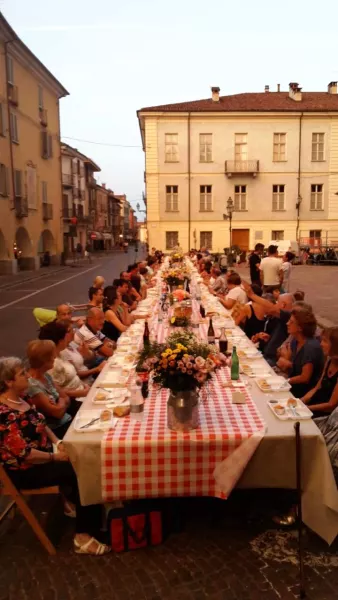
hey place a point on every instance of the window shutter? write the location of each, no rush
(313, 201)
(274, 201)
(18, 183)
(50, 146)
(175, 200)
(44, 144)
(2, 120)
(320, 201)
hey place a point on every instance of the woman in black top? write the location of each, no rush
(116, 320)
(251, 318)
(323, 398)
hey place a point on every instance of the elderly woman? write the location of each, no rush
(323, 398)
(26, 452)
(42, 392)
(303, 359)
(63, 372)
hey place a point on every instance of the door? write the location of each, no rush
(240, 237)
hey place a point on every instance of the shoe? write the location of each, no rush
(85, 548)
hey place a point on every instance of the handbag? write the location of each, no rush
(136, 525)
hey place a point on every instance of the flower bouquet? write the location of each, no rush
(179, 321)
(178, 296)
(173, 277)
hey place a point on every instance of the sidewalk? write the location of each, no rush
(23, 276)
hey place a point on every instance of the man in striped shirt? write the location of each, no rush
(91, 334)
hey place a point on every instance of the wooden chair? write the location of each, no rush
(17, 498)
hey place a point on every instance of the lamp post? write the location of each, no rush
(228, 216)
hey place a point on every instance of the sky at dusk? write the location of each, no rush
(116, 57)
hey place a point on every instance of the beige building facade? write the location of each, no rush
(30, 164)
(275, 154)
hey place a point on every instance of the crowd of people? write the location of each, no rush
(39, 396)
(284, 328)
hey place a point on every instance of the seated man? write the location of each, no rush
(236, 292)
(126, 276)
(221, 284)
(95, 297)
(62, 312)
(91, 333)
(276, 330)
(124, 288)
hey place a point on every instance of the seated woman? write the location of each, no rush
(63, 372)
(236, 292)
(26, 453)
(47, 397)
(117, 317)
(323, 398)
(303, 359)
(251, 316)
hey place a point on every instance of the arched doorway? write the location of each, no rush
(23, 243)
(3, 249)
(46, 242)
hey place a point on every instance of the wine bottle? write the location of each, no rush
(146, 334)
(234, 365)
(223, 341)
(211, 333)
(202, 311)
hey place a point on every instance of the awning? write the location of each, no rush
(96, 235)
(107, 236)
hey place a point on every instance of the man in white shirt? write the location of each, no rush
(236, 292)
(271, 269)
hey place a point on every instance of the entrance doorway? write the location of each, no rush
(241, 237)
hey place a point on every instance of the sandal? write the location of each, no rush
(84, 548)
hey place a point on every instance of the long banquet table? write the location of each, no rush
(272, 462)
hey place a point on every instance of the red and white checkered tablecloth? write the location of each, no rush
(145, 459)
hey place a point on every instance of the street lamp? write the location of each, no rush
(228, 216)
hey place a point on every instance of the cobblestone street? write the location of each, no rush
(237, 558)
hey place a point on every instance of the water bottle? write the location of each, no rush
(234, 365)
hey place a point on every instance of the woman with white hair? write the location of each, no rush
(26, 453)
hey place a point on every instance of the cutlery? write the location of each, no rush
(90, 423)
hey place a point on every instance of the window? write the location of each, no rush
(10, 70)
(3, 180)
(279, 147)
(14, 128)
(2, 120)
(241, 146)
(18, 183)
(277, 235)
(171, 198)
(317, 146)
(240, 197)
(171, 147)
(206, 239)
(46, 145)
(205, 198)
(171, 239)
(44, 191)
(278, 197)
(316, 197)
(205, 147)
(315, 234)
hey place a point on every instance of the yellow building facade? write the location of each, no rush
(275, 154)
(30, 157)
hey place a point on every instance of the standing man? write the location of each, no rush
(271, 270)
(254, 262)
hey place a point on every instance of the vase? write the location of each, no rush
(182, 410)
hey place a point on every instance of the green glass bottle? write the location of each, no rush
(234, 365)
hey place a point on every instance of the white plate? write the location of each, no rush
(303, 412)
(113, 395)
(85, 416)
(284, 385)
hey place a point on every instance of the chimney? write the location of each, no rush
(104, 185)
(266, 88)
(215, 94)
(278, 87)
(295, 92)
(332, 87)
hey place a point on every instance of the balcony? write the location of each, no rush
(47, 211)
(43, 117)
(241, 167)
(67, 180)
(82, 194)
(13, 94)
(20, 207)
(68, 213)
(91, 181)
